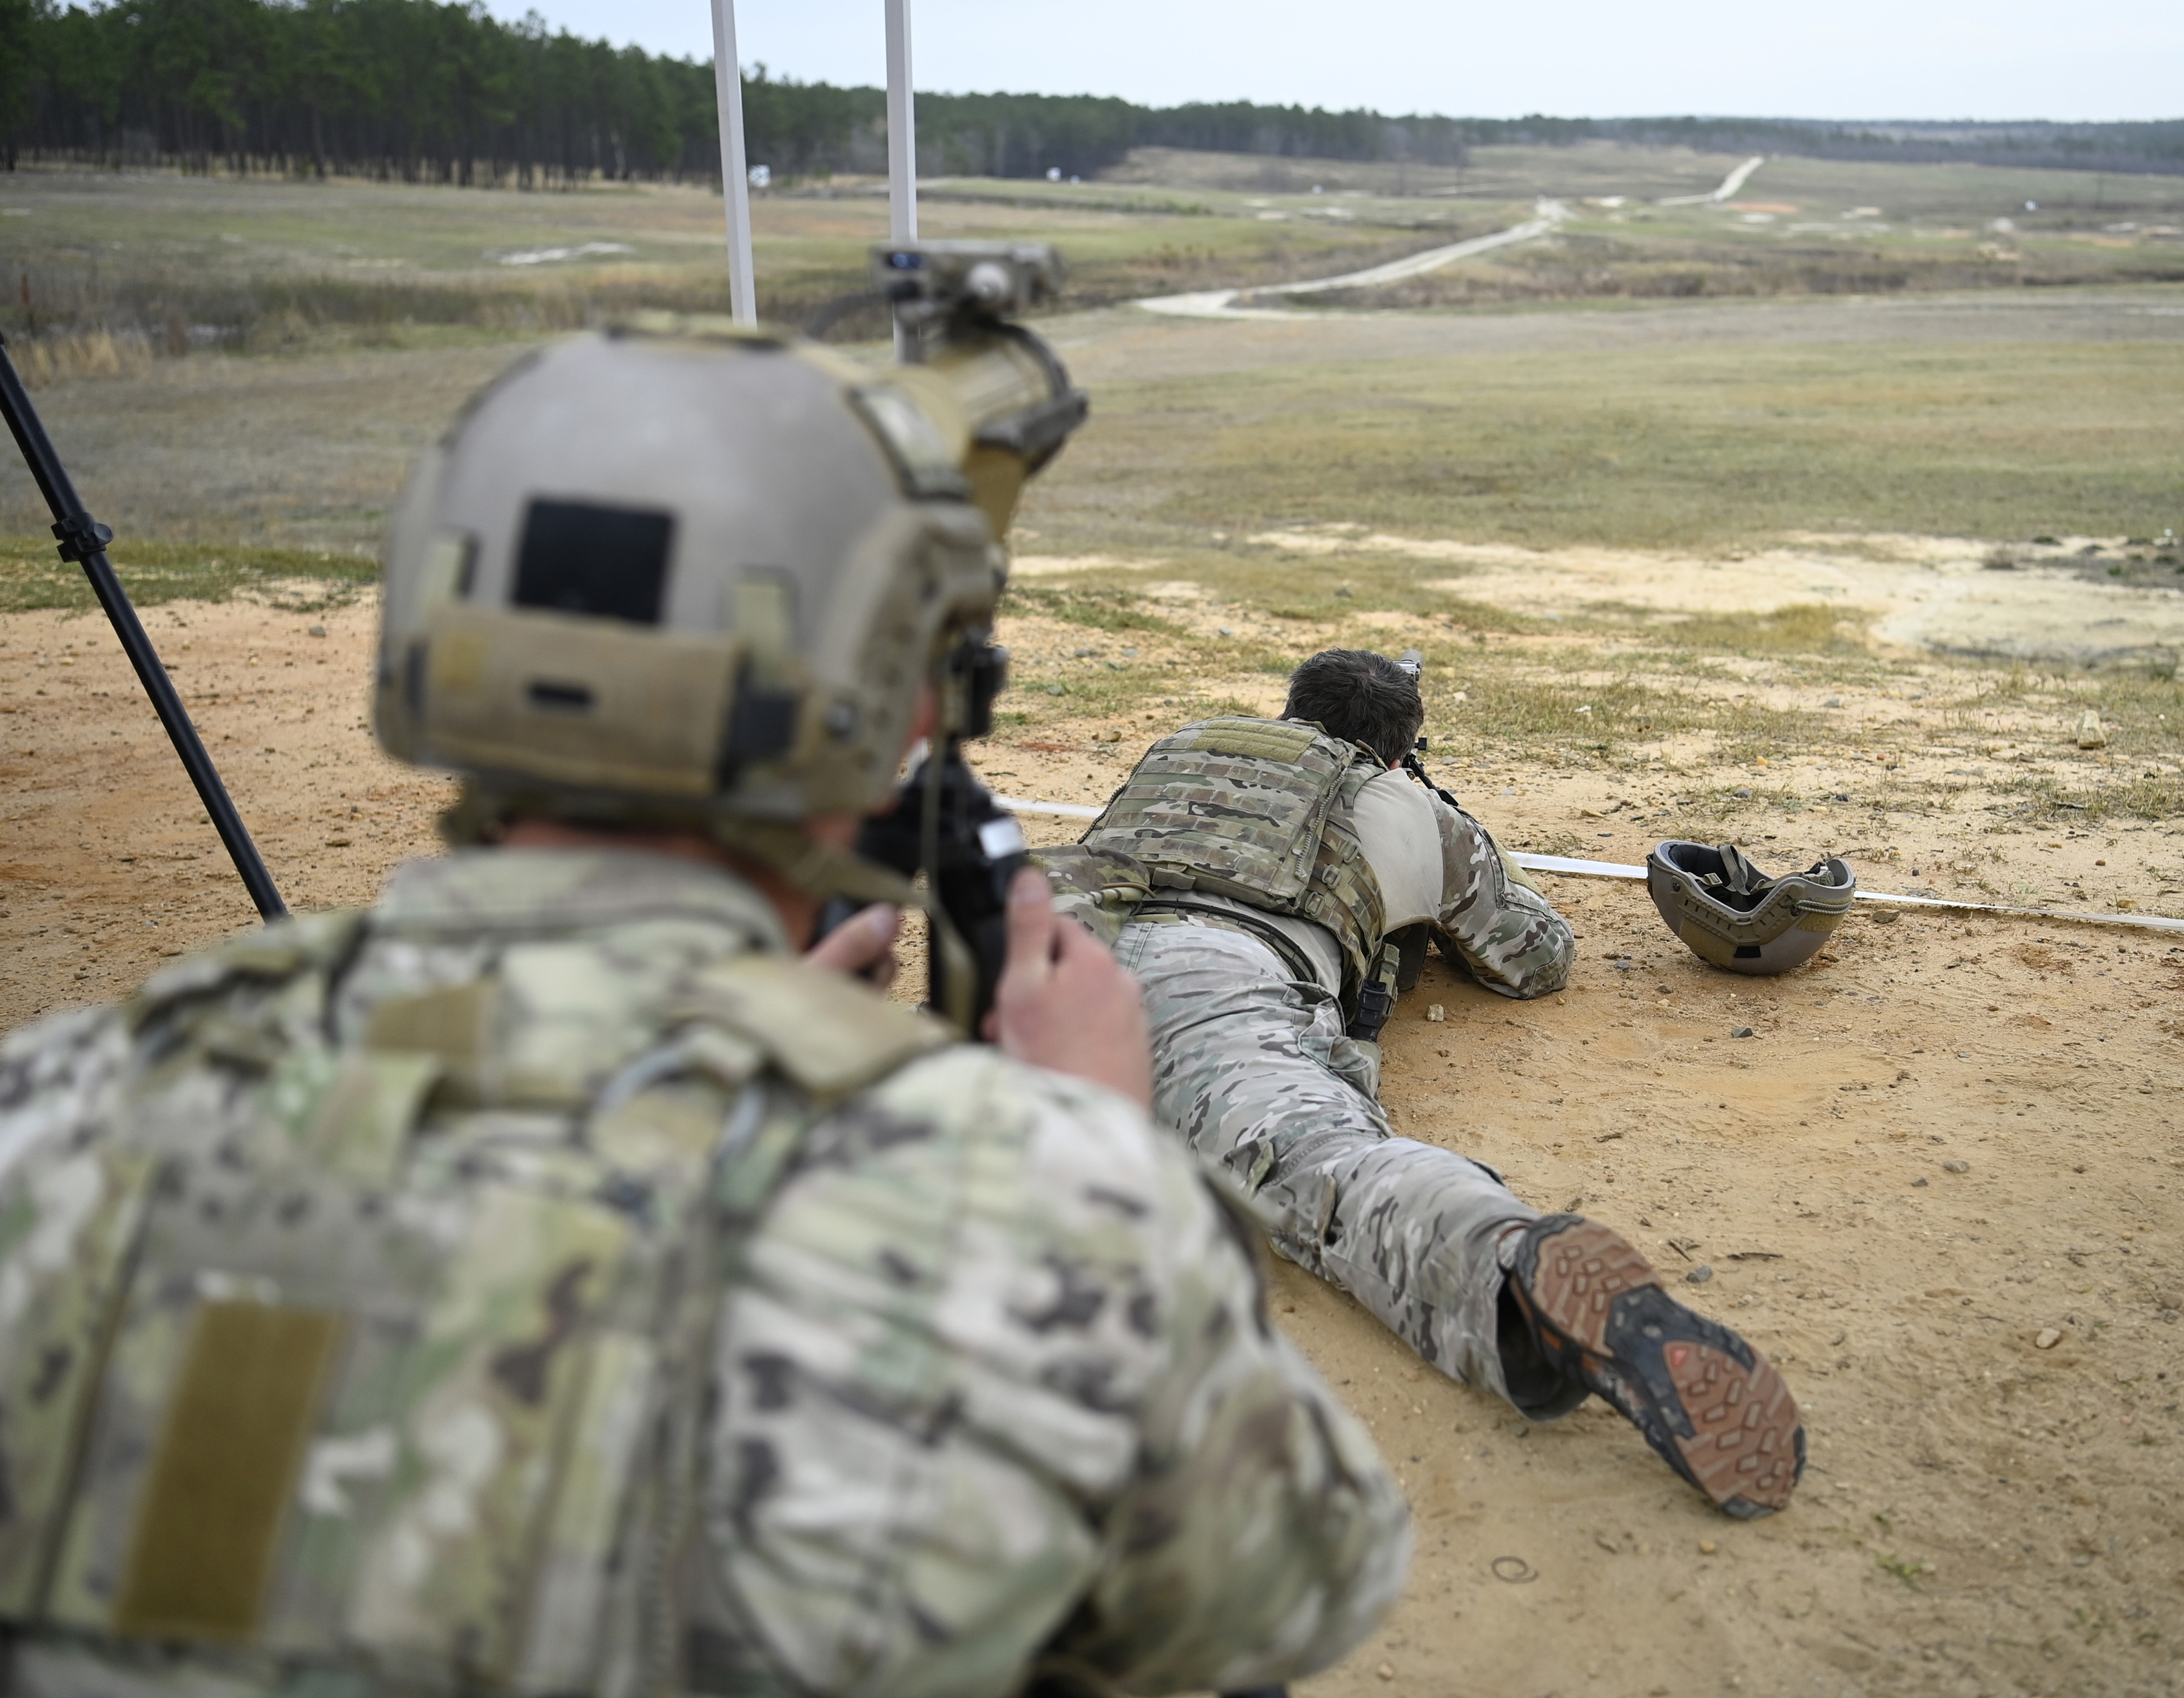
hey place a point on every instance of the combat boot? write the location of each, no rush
(1714, 1407)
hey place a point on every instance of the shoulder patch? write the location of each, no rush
(454, 1022)
(828, 1033)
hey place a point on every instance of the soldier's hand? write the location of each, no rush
(1064, 1003)
(864, 943)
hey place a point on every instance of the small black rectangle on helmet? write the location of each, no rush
(601, 562)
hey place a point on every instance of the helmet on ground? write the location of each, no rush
(680, 575)
(1733, 917)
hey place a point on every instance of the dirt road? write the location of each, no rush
(1944, 1143)
(1243, 303)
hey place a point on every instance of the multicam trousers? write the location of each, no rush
(1253, 1069)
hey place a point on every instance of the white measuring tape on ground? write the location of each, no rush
(1616, 869)
(1570, 868)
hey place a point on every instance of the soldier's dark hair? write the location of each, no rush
(1360, 697)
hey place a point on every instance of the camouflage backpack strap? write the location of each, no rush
(824, 1036)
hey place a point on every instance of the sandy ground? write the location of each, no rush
(1945, 1141)
(107, 863)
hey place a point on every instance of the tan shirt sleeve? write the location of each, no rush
(1438, 864)
(1395, 824)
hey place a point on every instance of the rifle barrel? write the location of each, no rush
(84, 540)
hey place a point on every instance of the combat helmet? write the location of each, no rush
(681, 574)
(1733, 917)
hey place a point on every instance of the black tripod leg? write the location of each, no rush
(84, 540)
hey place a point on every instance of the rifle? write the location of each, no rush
(83, 540)
(947, 823)
(1415, 663)
(954, 303)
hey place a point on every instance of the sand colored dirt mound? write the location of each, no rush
(1940, 1183)
(1923, 593)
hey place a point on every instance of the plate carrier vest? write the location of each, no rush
(1260, 810)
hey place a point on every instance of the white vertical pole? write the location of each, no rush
(902, 128)
(735, 165)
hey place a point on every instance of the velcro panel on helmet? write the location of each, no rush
(603, 562)
(586, 702)
(1709, 945)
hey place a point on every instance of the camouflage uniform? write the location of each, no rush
(555, 1288)
(1251, 1065)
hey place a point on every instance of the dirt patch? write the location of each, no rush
(1982, 1513)
(107, 863)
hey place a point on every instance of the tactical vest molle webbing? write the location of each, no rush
(389, 1360)
(1258, 810)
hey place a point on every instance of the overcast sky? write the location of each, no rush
(1850, 58)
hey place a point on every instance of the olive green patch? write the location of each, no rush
(362, 1127)
(828, 1033)
(234, 1438)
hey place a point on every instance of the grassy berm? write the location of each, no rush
(1890, 576)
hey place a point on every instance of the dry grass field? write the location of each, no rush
(108, 273)
(1817, 573)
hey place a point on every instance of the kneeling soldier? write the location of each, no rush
(541, 1280)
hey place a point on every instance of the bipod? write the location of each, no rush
(83, 540)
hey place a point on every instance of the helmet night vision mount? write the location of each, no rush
(936, 281)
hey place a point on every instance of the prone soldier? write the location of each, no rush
(541, 1280)
(1273, 883)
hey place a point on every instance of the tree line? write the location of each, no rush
(417, 90)
(421, 91)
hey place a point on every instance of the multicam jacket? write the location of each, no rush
(538, 1282)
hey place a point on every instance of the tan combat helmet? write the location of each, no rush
(1737, 918)
(680, 574)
